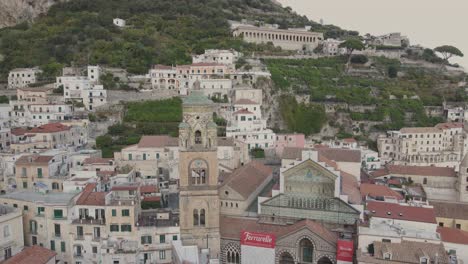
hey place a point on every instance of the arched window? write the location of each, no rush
(198, 137)
(286, 258)
(196, 221)
(324, 260)
(202, 217)
(199, 172)
(306, 250)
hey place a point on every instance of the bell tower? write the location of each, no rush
(198, 168)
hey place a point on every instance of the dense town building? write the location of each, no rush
(19, 78)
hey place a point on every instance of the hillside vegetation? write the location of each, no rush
(81, 32)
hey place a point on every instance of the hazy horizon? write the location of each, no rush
(421, 21)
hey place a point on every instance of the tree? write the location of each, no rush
(448, 51)
(351, 45)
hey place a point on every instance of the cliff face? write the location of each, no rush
(13, 12)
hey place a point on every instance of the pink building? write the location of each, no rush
(288, 140)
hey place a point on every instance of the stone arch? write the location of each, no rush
(300, 251)
(230, 249)
(326, 259)
(199, 172)
(281, 252)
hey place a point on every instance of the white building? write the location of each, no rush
(5, 131)
(443, 145)
(226, 57)
(85, 89)
(119, 22)
(331, 47)
(22, 77)
(391, 39)
(370, 159)
(11, 231)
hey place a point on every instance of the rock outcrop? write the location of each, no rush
(13, 12)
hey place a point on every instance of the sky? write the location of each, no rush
(426, 22)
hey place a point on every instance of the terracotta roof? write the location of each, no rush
(244, 101)
(453, 235)
(32, 255)
(89, 197)
(162, 67)
(18, 131)
(227, 142)
(243, 111)
(205, 64)
(349, 140)
(341, 155)
(420, 130)
(449, 125)
(406, 252)
(414, 170)
(374, 190)
(350, 187)
(151, 198)
(148, 189)
(450, 210)
(34, 159)
(246, 179)
(231, 227)
(50, 128)
(157, 141)
(292, 153)
(94, 160)
(401, 212)
(125, 188)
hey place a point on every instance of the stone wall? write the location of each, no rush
(115, 96)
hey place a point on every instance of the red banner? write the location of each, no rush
(344, 250)
(258, 239)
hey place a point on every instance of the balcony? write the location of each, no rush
(79, 237)
(89, 221)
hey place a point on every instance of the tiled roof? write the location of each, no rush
(243, 111)
(231, 228)
(148, 189)
(245, 101)
(32, 255)
(449, 125)
(151, 198)
(375, 190)
(34, 159)
(94, 160)
(157, 141)
(450, 210)
(50, 128)
(407, 252)
(350, 187)
(420, 130)
(246, 179)
(292, 153)
(341, 155)
(19, 131)
(89, 197)
(227, 142)
(414, 170)
(453, 235)
(401, 212)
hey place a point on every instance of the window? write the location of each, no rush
(39, 172)
(129, 156)
(33, 226)
(458, 226)
(126, 228)
(24, 172)
(387, 256)
(55, 186)
(97, 232)
(202, 217)
(6, 231)
(52, 245)
(114, 228)
(79, 231)
(146, 240)
(306, 250)
(174, 237)
(162, 254)
(144, 156)
(25, 208)
(423, 261)
(57, 230)
(198, 137)
(58, 214)
(34, 240)
(125, 212)
(114, 212)
(62, 246)
(40, 210)
(198, 169)
(25, 185)
(195, 217)
(7, 252)
(441, 224)
(162, 239)
(94, 250)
